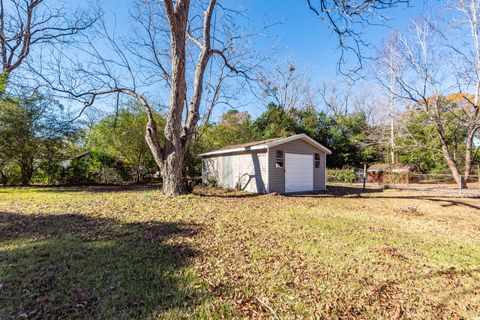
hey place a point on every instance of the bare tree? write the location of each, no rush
(346, 18)
(424, 81)
(286, 86)
(468, 75)
(388, 56)
(432, 42)
(178, 42)
(25, 24)
(174, 48)
(337, 98)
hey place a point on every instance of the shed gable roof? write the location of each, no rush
(264, 144)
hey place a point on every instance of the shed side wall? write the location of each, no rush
(247, 170)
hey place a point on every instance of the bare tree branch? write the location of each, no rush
(345, 18)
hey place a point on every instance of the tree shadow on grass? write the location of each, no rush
(338, 191)
(74, 266)
(209, 192)
(372, 193)
(452, 203)
(87, 188)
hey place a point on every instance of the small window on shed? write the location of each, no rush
(317, 160)
(279, 159)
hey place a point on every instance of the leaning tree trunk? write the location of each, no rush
(469, 154)
(453, 169)
(452, 165)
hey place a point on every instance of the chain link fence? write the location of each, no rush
(435, 183)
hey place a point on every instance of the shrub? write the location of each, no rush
(48, 173)
(342, 175)
(211, 182)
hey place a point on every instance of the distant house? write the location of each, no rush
(66, 163)
(386, 172)
(283, 165)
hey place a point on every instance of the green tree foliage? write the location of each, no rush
(342, 175)
(235, 127)
(312, 123)
(86, 168)
(276, 122)
(418, 140)
(122, 135)
(32, 135)
(346, 135)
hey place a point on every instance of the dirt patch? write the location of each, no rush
(409, 211)
(393, 252)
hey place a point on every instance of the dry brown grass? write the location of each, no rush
(217, 253)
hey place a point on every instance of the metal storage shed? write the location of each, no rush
(284, 165)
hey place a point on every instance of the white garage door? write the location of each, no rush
(298, 172)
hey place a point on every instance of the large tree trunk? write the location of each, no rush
(170, 158)
(172, 174)
(3, 82)
(26, 173)
(172, 154)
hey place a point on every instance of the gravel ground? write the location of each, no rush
(433, 189)
(450, 190)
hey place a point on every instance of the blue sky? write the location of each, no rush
(304, 38)
(300, 36)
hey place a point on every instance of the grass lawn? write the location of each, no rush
(132, 253)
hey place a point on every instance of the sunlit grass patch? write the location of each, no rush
(94, 253)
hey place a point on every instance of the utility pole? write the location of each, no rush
(392, 130)
(392, 105)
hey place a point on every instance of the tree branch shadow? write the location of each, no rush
(96, 188)
(72, 265)
(372, 193)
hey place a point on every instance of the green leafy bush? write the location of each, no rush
(342, 175)
(212, 183)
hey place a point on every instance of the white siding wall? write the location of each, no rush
(247, 171)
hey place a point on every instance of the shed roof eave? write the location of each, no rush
(236, 150)
(301, 136)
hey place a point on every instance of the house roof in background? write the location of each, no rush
(265, 144)
(393, 167)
